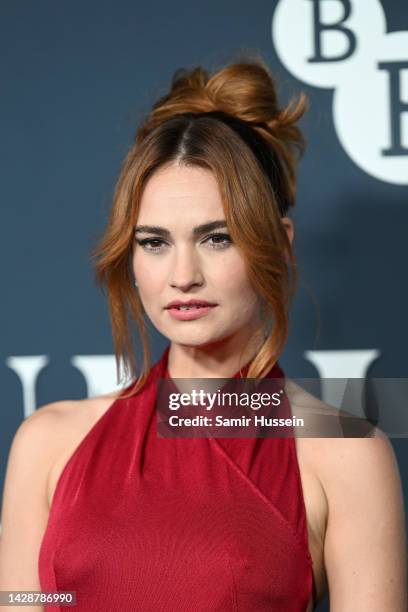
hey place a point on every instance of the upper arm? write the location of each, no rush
(365, 542)
(25, 508)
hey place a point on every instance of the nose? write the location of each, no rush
(186, 270)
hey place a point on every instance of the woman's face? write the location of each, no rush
(183, 264)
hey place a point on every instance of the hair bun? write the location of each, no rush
(244, 89)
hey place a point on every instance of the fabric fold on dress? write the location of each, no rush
(152, 524)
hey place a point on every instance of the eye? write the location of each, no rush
(224, 241)
(146, 243)
(153, 245)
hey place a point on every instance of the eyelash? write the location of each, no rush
(143, 243)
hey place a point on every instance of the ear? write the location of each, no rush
(288, 225)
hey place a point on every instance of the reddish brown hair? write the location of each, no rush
(229, 123)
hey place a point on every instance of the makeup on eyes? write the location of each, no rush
(145, 242)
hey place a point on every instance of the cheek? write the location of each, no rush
(142, 270)
(233, 278)
(235, 288)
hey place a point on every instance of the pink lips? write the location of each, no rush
(190, 302)
(195, 312)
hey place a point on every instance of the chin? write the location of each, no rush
(189, 341)
(197, 340)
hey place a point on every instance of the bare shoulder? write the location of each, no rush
(68, 415)
(363, 534)
(67, 422)
(58, 421)
(38, 448)
(364, 539)
(334, 457)
(369, 463)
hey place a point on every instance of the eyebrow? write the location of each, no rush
(165, 233)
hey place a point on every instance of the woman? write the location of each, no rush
(131, 521)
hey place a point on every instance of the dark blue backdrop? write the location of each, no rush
(75, 78)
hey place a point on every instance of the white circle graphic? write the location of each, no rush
(344, 45)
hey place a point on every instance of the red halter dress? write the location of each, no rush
(152, 524)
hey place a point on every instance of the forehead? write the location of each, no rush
(179, 193)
